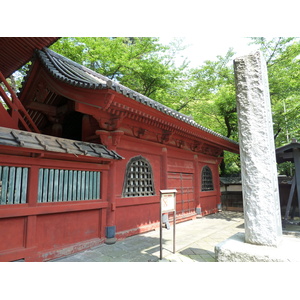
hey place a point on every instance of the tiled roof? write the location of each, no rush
(18, 138)
(75, 74)
(230, 180)
(285, 153)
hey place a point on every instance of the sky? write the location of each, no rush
(208, 48)
(209, 27)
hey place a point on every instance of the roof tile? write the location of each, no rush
(19, 138)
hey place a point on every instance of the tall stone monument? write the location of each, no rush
(257, 152)
(263, 239)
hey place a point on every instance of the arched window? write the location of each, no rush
(138, 179)
(207, 179)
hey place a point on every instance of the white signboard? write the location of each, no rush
(168, 202)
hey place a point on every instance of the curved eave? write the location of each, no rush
(76, 75)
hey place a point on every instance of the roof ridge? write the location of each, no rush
(71, 62)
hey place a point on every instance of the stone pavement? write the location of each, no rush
(195, 242)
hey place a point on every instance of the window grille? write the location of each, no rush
(68, 185)
(13, 185)
(139, 179)
(207, 179)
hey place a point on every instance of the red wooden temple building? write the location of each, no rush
(83, 158)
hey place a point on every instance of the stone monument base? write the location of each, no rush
(235, 249)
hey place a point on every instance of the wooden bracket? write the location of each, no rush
(164, 137)
(108, 100)
(179, 143)
(110, 124)
(110, 139)
(138, 132)
(195, 146)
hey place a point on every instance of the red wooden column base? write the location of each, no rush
(111, 139)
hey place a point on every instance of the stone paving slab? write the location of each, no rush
(195, 242)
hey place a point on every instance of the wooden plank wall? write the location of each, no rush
(34, 195)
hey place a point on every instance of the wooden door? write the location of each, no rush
(185, 197)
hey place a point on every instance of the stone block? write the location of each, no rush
(235, 249)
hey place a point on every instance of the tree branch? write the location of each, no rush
(272, 54)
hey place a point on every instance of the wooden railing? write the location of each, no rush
(15, 116)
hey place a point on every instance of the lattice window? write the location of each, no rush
(68, 185)
(13, 185)
(207, 179)
(139, 179)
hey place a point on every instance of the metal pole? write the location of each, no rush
(160, 234)
(174, 231)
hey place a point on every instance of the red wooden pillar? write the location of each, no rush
(197, 185)
(164, 169)
(103, 211)
(110, 230)
(217, 183)
(111, 139)
(32, 195)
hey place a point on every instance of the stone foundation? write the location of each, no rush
(235, 249)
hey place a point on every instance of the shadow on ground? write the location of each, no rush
(131, 249)
(198, 254)
(226, 215)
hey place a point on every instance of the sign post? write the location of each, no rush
(167, 204)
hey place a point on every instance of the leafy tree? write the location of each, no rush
(142, 64)
(211, 95)
(282, 57)
(210, 99)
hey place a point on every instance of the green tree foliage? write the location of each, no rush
(142, 64)
(211, 95)
(283, 62)
(210, 99)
